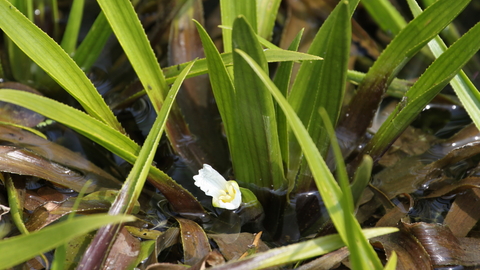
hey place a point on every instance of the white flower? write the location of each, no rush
(226, 194)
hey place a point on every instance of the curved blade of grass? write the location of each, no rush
(18, 249)
(425, 89)
(296, 252)
(361, 178)
(321, 84)
(91, 47)
(111, 139)
(69, 40)
(50, 57)
(266, 16)
(21, 71)
(131, 36)
(97, 252)
(464, 88)
(16, 206)
(230, 10)
(357, 243)
(282, 81)
(137, 176)
(386, 15)
(258, 158)
(222, 86)
(407, 43)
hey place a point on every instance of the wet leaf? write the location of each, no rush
(251, 209)
(411, 254)
(233, 246)
(412, 142)
(464, 214)
(194, 241)
(124, 251)
(212, 259)
(442, 247)
(169, 238)
(52, 153)
(19, 161)
(51, 211)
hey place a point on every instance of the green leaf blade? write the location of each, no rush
(21, 248)
(131, 36)
(425, 89)
(91, 47)
(258, 158)
(230, 10)
(462, 85)
(69, 41)
(282, 81)
(321, 84)
(331, 193)
(406, 44)
(50, 57)
(385, 14)
(222, 85)
(266, 15)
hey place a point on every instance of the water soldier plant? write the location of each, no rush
(293, 136)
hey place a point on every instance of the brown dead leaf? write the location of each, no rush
(232, 246)
(464, 214)
(411, 254)
(124, 251)
(194, 241)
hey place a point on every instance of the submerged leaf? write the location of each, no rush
(194, 241)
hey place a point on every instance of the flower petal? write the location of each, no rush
(210, 181)
(226, 194)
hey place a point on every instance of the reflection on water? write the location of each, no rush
(431, 210)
